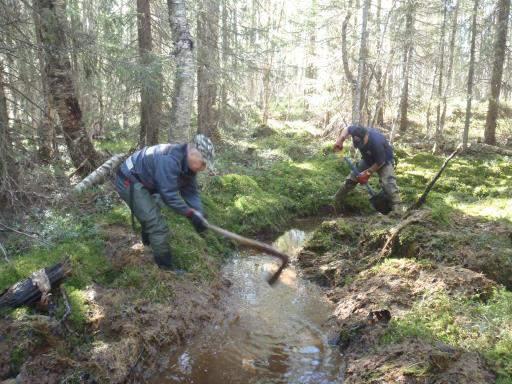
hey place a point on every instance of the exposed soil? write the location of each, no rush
(343, 256)
(124, 333)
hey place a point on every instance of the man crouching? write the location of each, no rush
(377, 157)
(168, 170)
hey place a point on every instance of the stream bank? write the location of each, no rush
(427, 313)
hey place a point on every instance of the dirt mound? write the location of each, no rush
(344, 247)
(373, 293)
(397, 283)
(396, 286)
(416, 362)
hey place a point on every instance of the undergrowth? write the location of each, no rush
(265, 183)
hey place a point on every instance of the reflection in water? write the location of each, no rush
(275, 337)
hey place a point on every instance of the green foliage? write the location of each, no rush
(478, 185)
(467, 323)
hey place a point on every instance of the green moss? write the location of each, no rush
(469, 324)
(331, 235)
(80, 309)
(18, 357)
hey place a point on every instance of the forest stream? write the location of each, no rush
(275, 333)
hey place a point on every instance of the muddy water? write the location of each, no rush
(275, 334)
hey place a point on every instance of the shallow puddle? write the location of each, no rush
(275, 334)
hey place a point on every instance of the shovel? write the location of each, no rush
(380, 201)
(255, 245)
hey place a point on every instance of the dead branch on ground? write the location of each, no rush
(36, 287)
(430, 185)
(394, 231)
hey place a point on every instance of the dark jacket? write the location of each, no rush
(377, 150)
(163, 169)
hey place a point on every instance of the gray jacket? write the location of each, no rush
(163, 169)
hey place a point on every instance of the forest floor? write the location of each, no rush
(444, 282)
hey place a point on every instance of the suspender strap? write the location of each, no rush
(130, 204)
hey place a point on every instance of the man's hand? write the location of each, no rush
(363, 177)
(338, 146)
(198, 221)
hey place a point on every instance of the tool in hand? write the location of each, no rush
(380, 201)
(253, 244)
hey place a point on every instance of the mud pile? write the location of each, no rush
(372, 293)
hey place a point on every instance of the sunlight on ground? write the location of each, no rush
(491, 208)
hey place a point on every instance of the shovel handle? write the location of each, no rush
(256, 245)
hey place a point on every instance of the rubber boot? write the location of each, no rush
(145, 238)
(165, 262)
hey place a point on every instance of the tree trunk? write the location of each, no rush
(451, 50)
(471, 73)
(45, 127)
(500, 43)
(151, 87)
(311, 57)
(345, 57)
(225, 61)
(61, 87)
(361, 68)
(7, 171)
(252, 41)
(440, 80)
(207, 68)
(183, 92)
(406, 65)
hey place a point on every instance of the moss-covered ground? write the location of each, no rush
(434, 299)
(265, 180)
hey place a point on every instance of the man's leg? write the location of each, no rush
(153, 224)
(348, 185)
(388, 183)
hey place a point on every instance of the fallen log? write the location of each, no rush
(101, 173)
(258, 245)
(36, 287)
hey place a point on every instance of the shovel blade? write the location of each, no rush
(382, 203)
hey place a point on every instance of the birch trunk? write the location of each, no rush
(183, 92)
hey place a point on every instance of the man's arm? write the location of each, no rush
(166, 178)
(338, 146)
(190, 194)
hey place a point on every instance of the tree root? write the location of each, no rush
(395, 230)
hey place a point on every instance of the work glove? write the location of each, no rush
(363, 177)
(198, 221)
